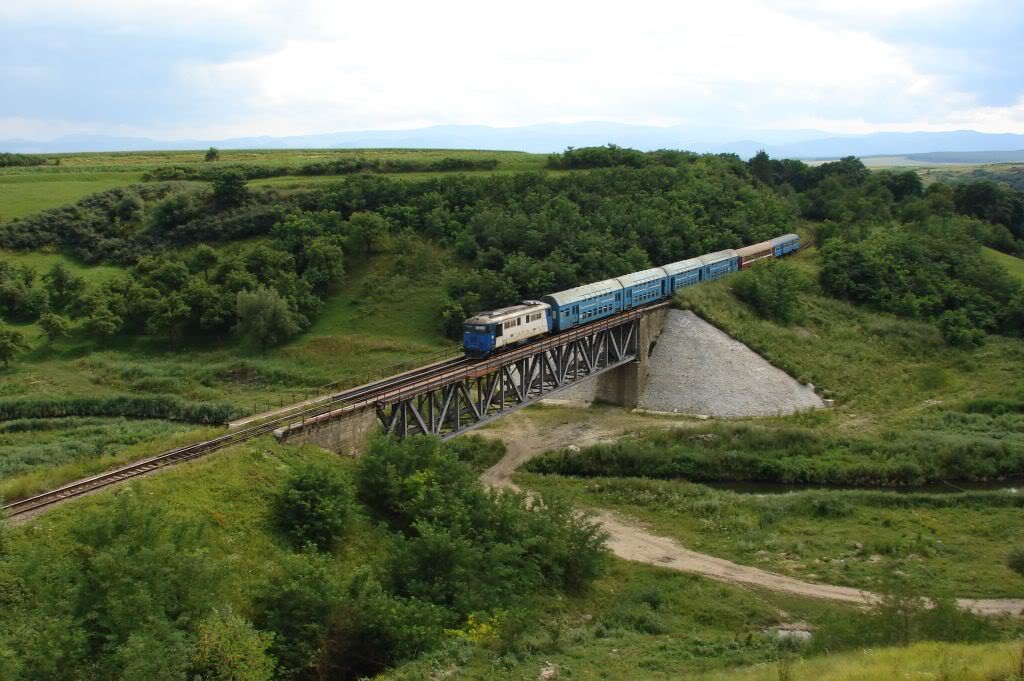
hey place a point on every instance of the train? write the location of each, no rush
(489, 332)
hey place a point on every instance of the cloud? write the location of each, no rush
(241, 67)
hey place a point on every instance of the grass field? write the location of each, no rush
(1014, 266)
(44, 261)
(26, 193)
(26, 190)
(140, 161)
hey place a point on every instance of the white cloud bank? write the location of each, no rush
(332, 66)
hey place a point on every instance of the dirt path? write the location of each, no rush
(524, 440)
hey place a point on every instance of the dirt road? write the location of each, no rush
(524, 440)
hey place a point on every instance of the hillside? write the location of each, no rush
(194, 290)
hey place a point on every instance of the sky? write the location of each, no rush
(214, 69)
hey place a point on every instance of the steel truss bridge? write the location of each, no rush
(470, 396)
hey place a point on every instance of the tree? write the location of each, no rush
(170, 312)
(296, 604)
(453, 318)
(323, 262)
(313, 505)
(264, 317)
(63, 285)
(229, 189)
(11, 343)
(102, 321)
(212, 154)
(53, 325)
(203, 259)
(229, 648)
(158, 652)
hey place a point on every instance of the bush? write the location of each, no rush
(1015, 561)
(11, 343)
(957, 330)
(313, 506)
(167, 407)
(228, 648)
(773, 290)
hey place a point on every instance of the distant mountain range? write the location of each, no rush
(552, 137)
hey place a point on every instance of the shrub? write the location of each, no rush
(957, 330)
(11, 343)
(167, 407)
(1015, 561)
(902, 616)
(228, 648)
(773, 290)
(313, 505)
(53, 325)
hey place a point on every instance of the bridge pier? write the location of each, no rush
(623, 386)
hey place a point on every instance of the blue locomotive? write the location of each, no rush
(489, 332)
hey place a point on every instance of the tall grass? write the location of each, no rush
(969, 447)
(166, 407)
(28, 444)
(936, 661)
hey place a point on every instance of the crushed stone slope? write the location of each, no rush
(697, 369)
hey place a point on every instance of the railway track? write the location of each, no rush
(363, 393)
(353, 397)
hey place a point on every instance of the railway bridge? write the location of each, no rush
(444, 398)
(450, 397)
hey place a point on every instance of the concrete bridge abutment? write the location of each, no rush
(344, 433)
(624, 385)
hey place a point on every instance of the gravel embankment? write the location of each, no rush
(696, 369)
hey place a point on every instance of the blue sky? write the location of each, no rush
(205, 69)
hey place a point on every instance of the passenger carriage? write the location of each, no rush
(785, 244)
(640, 288)
(718, 264)
(683, 273)
(584, 304)
(748, 255)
